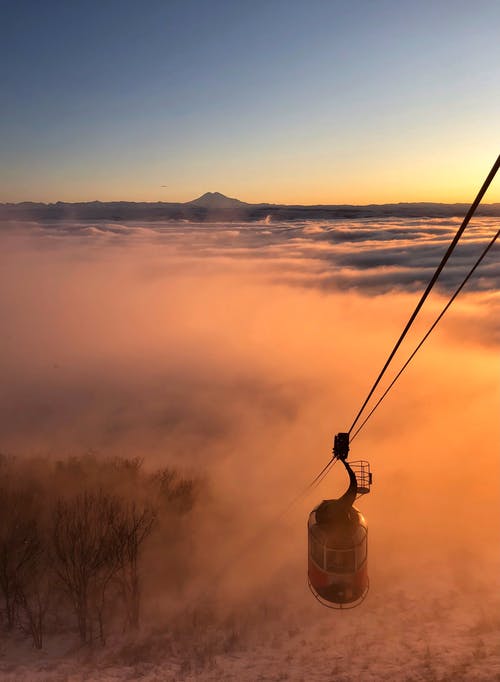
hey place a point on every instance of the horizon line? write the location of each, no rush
(243, 203)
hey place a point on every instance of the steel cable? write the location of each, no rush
(424, 338)
(427, 291)
(329, 465)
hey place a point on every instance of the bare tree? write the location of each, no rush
(34, 589)
(175, 492)
(18, 543)
(133, 527)
(102, 592)
(86, 556)
(80, 556)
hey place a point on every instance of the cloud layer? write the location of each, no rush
(368, 255)
(239, 351)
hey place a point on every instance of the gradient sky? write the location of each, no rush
(283, 101)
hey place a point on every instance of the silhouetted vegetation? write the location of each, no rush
(73, 535)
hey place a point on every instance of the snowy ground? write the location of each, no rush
(397, 634)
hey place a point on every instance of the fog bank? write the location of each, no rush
(237, 354)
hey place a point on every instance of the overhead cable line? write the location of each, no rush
(324, 473)
(426, 293)
(329, 465)
(313, 484)
(424, 338)
(249, 543)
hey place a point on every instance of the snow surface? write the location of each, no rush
(397, 634)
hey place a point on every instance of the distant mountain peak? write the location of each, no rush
(216, 200)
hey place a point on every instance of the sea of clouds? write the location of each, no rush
(237, 351)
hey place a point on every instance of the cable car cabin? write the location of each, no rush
(338, 534)
(338, 554)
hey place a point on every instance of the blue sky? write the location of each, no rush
(321, 101)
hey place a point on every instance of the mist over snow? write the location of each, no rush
(235, 352)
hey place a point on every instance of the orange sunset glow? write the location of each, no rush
(230, 350)
(250, 346)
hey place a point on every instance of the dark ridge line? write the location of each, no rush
(213, 206)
